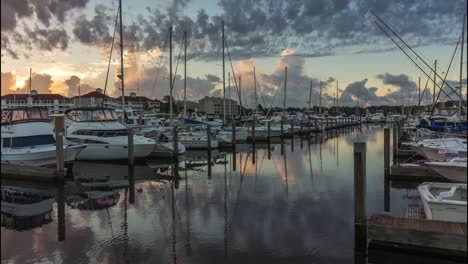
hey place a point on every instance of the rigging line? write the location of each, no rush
(419, 57)
(110, 55)
(177, 65)
(232, 68)
(159, 65)
(417, 65)
(446, 74)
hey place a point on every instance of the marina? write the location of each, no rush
(233, 132)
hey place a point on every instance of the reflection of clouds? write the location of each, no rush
(312, 223)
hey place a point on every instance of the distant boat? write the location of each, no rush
(377, 118)
(444, 201)
(28, 138)
(440, 148)
(453, 170)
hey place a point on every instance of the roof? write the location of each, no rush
(24, 97)
(87, 109)
(93, 94)
(137, 99)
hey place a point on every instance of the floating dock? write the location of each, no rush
(415, 172)
(24, 172)
(418, 235)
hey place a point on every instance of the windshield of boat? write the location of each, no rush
(24, 115)
(95, 115)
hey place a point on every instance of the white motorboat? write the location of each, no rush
(453, 170)
(104, 136)
(196, 140)
(444, 201)
(377, 118)
(440, 148)
(28, 138)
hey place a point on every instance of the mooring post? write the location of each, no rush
(386, 152)
(176, 143)
(253, 131)
(59, 126)
(234, 140)
(269, 129)
(61, 211)
(292, 128)
(395, 143)
(360, 206)
(131, 167)
(282, 123)
(315, 124)
(208, 137)
(301, 128)
(308, 118)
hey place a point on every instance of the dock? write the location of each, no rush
(418, 235)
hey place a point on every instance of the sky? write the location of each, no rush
(67, 44)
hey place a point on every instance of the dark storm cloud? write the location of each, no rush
(401, 81)
(259, 28)
(49, 34)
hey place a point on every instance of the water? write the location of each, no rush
(291, 208)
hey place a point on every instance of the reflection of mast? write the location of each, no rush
(125, 227)
(286, 171)
(310, 162)
(321, 163)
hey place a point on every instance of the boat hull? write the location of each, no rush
(114, 152)
(40, 156)
(449, 210)
(452, 173)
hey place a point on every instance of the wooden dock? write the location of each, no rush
(418, 235)
(414, 172)
(31, 173)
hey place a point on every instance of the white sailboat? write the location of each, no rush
(444, 201)
(28, 138)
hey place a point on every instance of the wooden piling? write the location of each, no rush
(131, 158)
(268, 131)
(360, 206)
(292, 129)
(395, 142)
(282, 124)
(253, 131)
(386, 152)
(208, 138)
(59, 126)
(233, 139)
(176, 143)
(61, 211)
(308, 118)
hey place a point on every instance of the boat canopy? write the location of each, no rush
(24, 115)
(91, 114)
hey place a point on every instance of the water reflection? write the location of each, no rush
(286, 207)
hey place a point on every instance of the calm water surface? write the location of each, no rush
(291, 208)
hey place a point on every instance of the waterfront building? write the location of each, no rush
(214, 106)
(56, 103)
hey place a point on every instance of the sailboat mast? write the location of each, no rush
(30, 82)
(336, 97)
(435, 76)
(170, 75)
(461, 70)
(121, 58)
(285, 83)
(320, 98)
(229, 95)
(419, 93)
(224, 73)
(255, 89)
(240, 96)
(185, 74)
(310, 94)
(357, 103)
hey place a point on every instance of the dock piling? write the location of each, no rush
(395, 143)
(176, 143)
(59, 126)
(131, 167)
(208, 138)
(360, 206)
(269, 129)
(386, 152)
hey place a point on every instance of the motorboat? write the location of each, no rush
(453, 170)
(28, 138)
(104, 136)
(377, 118)
(196, 140)
(440, 148)
(444, 201)
(393, 118)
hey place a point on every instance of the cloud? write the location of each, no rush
(75, 87)
(8, 82)
(42, 83)
(95, 31)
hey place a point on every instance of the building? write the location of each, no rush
(214, 106)
(56, 103)
(94, 99)
(140, 102)
(191, 106)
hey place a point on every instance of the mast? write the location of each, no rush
(336, 96)
(434, 81)
(240, 97)
(170, 75)
(79, 95)
(121, 58)
(229, 95)
(320, 97)
(224, 73)
(357, 103)
(255, 90)
(30, 81)
(285, 82)
(310, 95)
(365, 106)
(419, 93)
(461, 70)
(185, 74)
